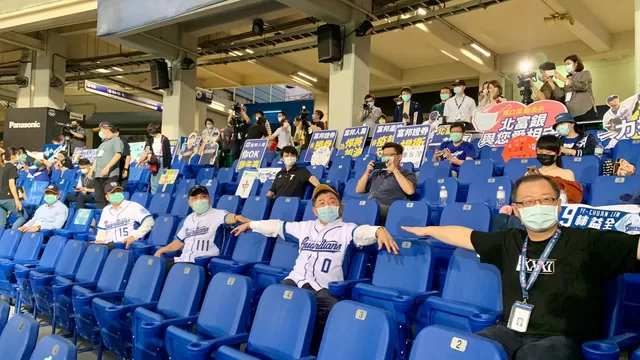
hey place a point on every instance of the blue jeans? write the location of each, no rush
(154, 180)
(10, 206)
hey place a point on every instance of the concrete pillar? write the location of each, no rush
(200, 115)
(41, 68)
(637, 45)
(349, 85)
(179, 112)
(321, 102)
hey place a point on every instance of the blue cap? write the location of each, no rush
(563, 118)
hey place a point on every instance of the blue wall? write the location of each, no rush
(292, 108)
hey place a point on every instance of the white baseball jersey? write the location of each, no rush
(322, 248)
(118, 223)
(198, 234)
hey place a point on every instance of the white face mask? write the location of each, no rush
(289, 161)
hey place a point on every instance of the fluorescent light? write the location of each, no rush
(449, 55)
(249, 51)
(232, 53)
(307, 76)
(301, 81)
(217, 106)
(405, 16)
(120, 77)
(481, 50)
(422, 11)
(272, 111)
(237, 53)
(102, 71)
(116, 68)
(471, 56)
(251, 61)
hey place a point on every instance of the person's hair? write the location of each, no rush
(313, 201)
(320, 114)
(532, 178)
(483, 84)
(447, 88)
(290, 150)
(8, 152)
(260, 112)
(497, 85)
(576, 60)
(115, 129)
(154, 126)
(23, 150)
(284, 114)
(458, 124)
(261, 120)
(369, 96)
(84, 161)
(208, 120)
(407, 89)
(549, 143)
(397, 147)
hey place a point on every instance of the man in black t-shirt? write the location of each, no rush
(562, 307)
(291, 181)
(125, 159)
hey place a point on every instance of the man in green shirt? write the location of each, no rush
(445, 94)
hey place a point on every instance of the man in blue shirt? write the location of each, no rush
(50, 216)
(457, 150)
(41, 172)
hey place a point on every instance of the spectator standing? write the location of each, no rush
(282, 134)
(460, 107)
(209, 129)
(302, 131)
(389, 184)
(84, 188)
(317, 120)
(578, 90)
(494, 92)
(40, 172)
(456, 151)
(125, 160)
(77, 138)
(409, 112)
(240, 127)
(157, 154)
(258, 130)
(484, 92)
(51, 215)
(370, 115)
(267, 125)
(106, 168)
(547, 90)
(292, 180)
(546, 286)
(9, 199)
(575, 142)
(445, 94)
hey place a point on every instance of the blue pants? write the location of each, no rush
(10, 206)
(154, 180)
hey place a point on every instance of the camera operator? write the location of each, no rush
(370, 115)
(317, 122)
(240, 121)
(546, 91)
(76, 136)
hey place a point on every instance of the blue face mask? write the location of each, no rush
(563, 130)
(406, 97)
(569, 69)
(116, 198)
(444, 97)
(200, 206)
(50, 199)
(101, 134)
(328, 214)
(455, 137)
(457, 90)
(539, 218)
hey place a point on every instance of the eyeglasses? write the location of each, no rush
(543, 201)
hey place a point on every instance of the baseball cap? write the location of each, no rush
(52, 189)
(406, 88)
(610, 98)
(563, 118)
(112, 186)
(459, 83)
(197, 190)
(324, 187)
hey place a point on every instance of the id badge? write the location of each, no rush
(568, 96)
(519, 317)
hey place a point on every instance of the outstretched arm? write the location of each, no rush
(458, 236)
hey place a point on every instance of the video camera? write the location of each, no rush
(304, 114)
(66, 128)
(524, 83)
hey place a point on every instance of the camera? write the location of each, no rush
(524, 83)
(365, 106)
(304, 114)
(66, 128)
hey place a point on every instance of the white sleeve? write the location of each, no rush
(472, 108)
(270, 228)
(144, 228)
(365, 235)
(101, 235)
(102, 219)
(139, 213)
(446, 109)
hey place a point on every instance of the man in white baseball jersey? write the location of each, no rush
(323, 245)
(197, 235)
(117, 221)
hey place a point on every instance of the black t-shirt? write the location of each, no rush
(126, 151)
(257, 132)
(290, 183)
(319, 124)
(8, 171)
(568, 296)
(67, 163)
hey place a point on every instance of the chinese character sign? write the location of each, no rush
(352, 142)
(321, 139)
(442, 135)
(624, 218)
(49, 151)
(384, 133)
(246, 183)
(505, 121)
(252, 154)
(414, 140)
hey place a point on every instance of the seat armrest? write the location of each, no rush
(86, 299)
(154, 329)
(203, 260)
(611, 347)
(203, 349)
(270, 270)
(480, 321)
(42, 280)
(422, 297)
(47, 232)
(63, 288)
(27, 262)
(343, 288)
(115, 312)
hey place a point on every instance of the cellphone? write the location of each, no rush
(379, 165)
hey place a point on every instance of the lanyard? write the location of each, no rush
(527, 285)
(462, 103)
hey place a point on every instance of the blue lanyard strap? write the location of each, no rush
(527, 285)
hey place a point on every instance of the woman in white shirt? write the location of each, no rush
(283, 133)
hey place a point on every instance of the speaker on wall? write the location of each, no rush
(159, 75)
(329, 43)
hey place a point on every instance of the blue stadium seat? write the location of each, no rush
(5, 309)
(9, 243)
(269, 156)
(113, 311)
(184, 185)
(361, 212)
(54, 347)
(290, 339)
(606, 190)
(225, 175)
(495, 154)
(286, 209)
(161, 234)
(264, 189)
(360, 165)
(408, 166)
(406, 213)
(214, 188)
(67, 267)
(256, 208)
(471, 299)
(277, 163)
(475, 170)
(19, 337)
(517, 168)
(206, 173)
(230, 203)
(138, 179)
(442, 343)
(28, 248)
(79, 227)
(429, 192)
(308, 212)
(428, 156)
(181, 208)
(339, 172)
(35, 195)
(179, 301)
(345, 160)
(301, 162)
(27, 254)
(250, 248)
(585, 168)
(434, 170)
(141, 198)
(317, 170)
(350, 191)
(160, 204)
(349, 331)
(114, 278)
(58, 304)
(399, 287)
(627, 149)
(486, 191)
(228, 310)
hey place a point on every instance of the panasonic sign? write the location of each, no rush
(26, 125)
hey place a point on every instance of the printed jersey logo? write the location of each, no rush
(320, 246)
(549, 267)
(200, 230)
(291, 176)
(457, 153)
(116, 224)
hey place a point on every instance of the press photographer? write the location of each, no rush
(370, 115)
(546, 91)
(73, 134)
(240, 122)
